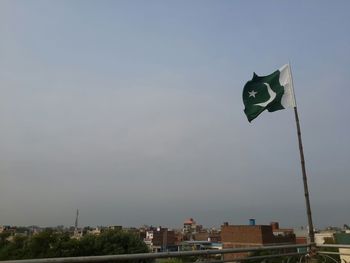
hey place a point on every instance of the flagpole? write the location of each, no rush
(306, 189)
(303, 169)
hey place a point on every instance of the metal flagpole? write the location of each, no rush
(306, 189)
(302, 160)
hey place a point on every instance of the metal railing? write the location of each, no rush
(287, 252)
(334, 252)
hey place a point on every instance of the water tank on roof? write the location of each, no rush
(252, 222)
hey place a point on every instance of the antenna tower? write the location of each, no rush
(76, 221)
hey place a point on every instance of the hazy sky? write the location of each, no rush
(132, 112)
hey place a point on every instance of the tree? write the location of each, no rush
(49, 243)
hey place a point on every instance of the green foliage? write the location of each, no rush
(3, 238)
(330, 258)
(49, 244)
(290, 259)
(170, 260)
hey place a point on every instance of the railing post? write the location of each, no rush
(312, 254)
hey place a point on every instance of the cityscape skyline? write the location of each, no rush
(132, 112)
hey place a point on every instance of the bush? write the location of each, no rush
(48, 244)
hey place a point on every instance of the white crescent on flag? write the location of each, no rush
(272, 96)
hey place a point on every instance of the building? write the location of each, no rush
(94, 231)
(239, 236)
(190, 229)
(119, 228)
(200, 245)
(344, 239)
(210, 235)
(324, 237)
(160, 239)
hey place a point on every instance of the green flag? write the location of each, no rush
(272, 92)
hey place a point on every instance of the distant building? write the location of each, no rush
(200, 245)
(201, 236)
(301, 237)
(179, 237)
(190, 229)
(344, 239)
(35, 230)
(9, 229)
(133, 230)
(238, 236)
(115, 227)
(77, 234)
(324, 237)
(209, 235)
(95, 231)
(160, 239)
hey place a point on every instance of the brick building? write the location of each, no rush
(160, 239)
(207, 235)
(238, 236)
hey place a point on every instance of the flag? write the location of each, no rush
(272, 92)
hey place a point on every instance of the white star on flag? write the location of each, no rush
(252, 93)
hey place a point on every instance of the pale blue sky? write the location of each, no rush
(131, 111)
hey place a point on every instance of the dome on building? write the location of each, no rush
(189, 221)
